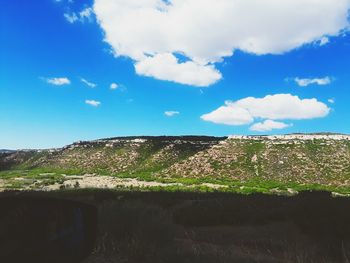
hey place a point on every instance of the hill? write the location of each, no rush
(296, 161)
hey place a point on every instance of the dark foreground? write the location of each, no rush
(105, 226)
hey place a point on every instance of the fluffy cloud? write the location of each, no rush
(331, 100)
(229, 115)
(58, 81)
(269, 125)
(88, 83)
(282, 106)
(150, 32)
(93, 103)
(83, 16)
(272, 107)
(319, 81)
(167, 67)
(171, 113)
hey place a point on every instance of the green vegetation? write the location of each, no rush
(234, 165)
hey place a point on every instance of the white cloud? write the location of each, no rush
(85, 15)
(269, 125)
(319, 81)
(171, 113)
(273, 107)
(324, 41)
(283, 106)
(88, 83)
(229, 115)
(167, 67)
(58, 81)
(71, 17)
(150, 32)
(93, 103)
(331, 100)
(114, 86)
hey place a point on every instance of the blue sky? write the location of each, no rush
(164, 87)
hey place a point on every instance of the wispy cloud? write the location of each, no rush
(86, 15)
(331, 100)
(324, 41)
(171, 113)
(117, 86)
(71, 17)
(304, 82)
(88, 83)
(68, 1)
(57, 81)
(93, 103)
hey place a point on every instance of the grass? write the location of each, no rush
(254, 185)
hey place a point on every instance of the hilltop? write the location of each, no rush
(240, 163)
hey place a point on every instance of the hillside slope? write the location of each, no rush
(318, 159)
(112, 156)
(291, 159)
